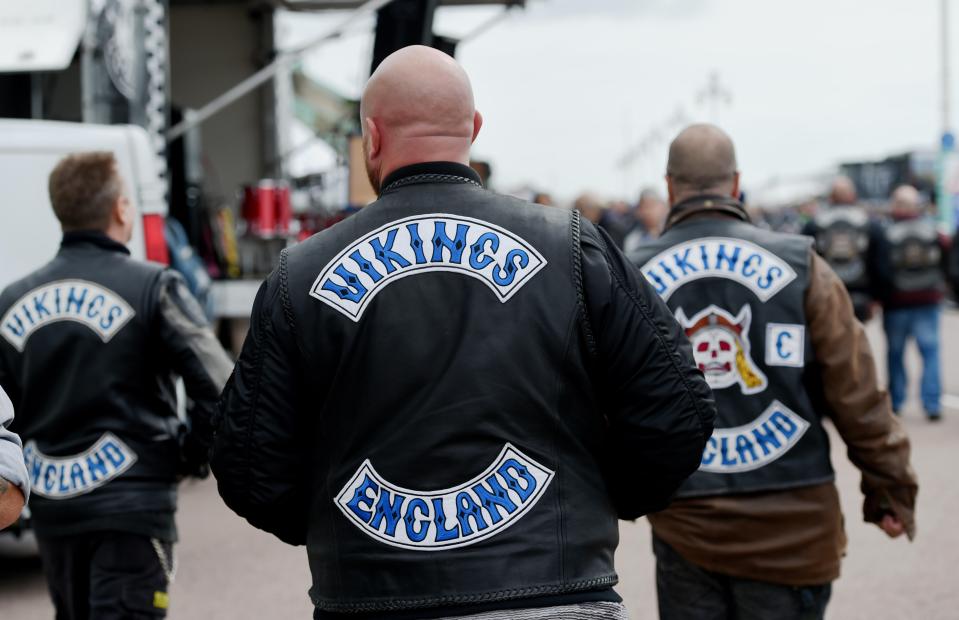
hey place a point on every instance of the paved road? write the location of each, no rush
(230, 570)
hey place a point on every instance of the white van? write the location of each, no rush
(29, 232)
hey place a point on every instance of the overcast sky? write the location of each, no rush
(567, 87)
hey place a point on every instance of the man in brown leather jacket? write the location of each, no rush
(757, 532)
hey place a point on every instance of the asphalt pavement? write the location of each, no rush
(227, 569)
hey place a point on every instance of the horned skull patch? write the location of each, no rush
(721, 348)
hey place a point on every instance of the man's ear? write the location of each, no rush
(374, 137)
(670, 191)
(477, 124)
(735, 192)
(121, 212)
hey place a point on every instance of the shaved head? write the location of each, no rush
(417, 107)
(843, 191)
(702, 160)
(905, 199)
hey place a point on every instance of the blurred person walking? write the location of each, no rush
(450, 397)
(911, 264)
(14, 480)
(598, 213)
(650, 216)
(90, 344)
(590, 207)
(757, 532)
(845, 236)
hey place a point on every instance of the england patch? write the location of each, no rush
(753, 266)
(449, 518)
(754, 445)
(721, 348)
(62, 477)
(80, 301)
(503, 261)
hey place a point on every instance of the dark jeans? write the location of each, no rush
(688, 592)
(107, 576)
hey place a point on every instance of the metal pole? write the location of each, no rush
(283, 60)
(36, 95)
(944, 36)
(482, 28)
(948, 166)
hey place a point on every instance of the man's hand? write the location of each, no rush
(11, 503)
(194, 458)
(892, 526)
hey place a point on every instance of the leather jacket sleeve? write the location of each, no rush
(193, 352)
(859, 407)
(659, 409)
(259, 453)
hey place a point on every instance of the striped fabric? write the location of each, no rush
(583, 611)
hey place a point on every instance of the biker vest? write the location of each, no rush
(914, 255)
(738, 292)
(98, 421)
(842, 238)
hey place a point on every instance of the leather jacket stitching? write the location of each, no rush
(584, 321)
(428, 178)
(647, 316)
(285, 293)
(254, 404)
(513, 593)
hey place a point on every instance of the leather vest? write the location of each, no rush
(915, 256)
(485, 486)
(738, 291)
(842, 238)
(98, 420)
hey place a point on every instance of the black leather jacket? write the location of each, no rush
(451, 396)
(89, 348)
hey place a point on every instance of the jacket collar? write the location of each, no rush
(94, 238)
(708, 204)
(430, 172)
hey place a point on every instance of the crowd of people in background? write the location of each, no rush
(890, 255)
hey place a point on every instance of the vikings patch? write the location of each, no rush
(753, 266)
(62, 477)
(448, 518)
(754, 445)
(721, 348)
(427, 243)
(87, 303)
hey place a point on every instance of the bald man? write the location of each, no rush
(911, 267)
(757, 531)
(450, 397)
(846, 237)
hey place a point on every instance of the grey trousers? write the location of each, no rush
(598, 610)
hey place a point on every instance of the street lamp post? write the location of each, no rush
(948, 176)
(944, 41)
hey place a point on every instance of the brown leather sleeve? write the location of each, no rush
(859, 407)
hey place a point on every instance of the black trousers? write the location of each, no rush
(688, 592)
(107, 575)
